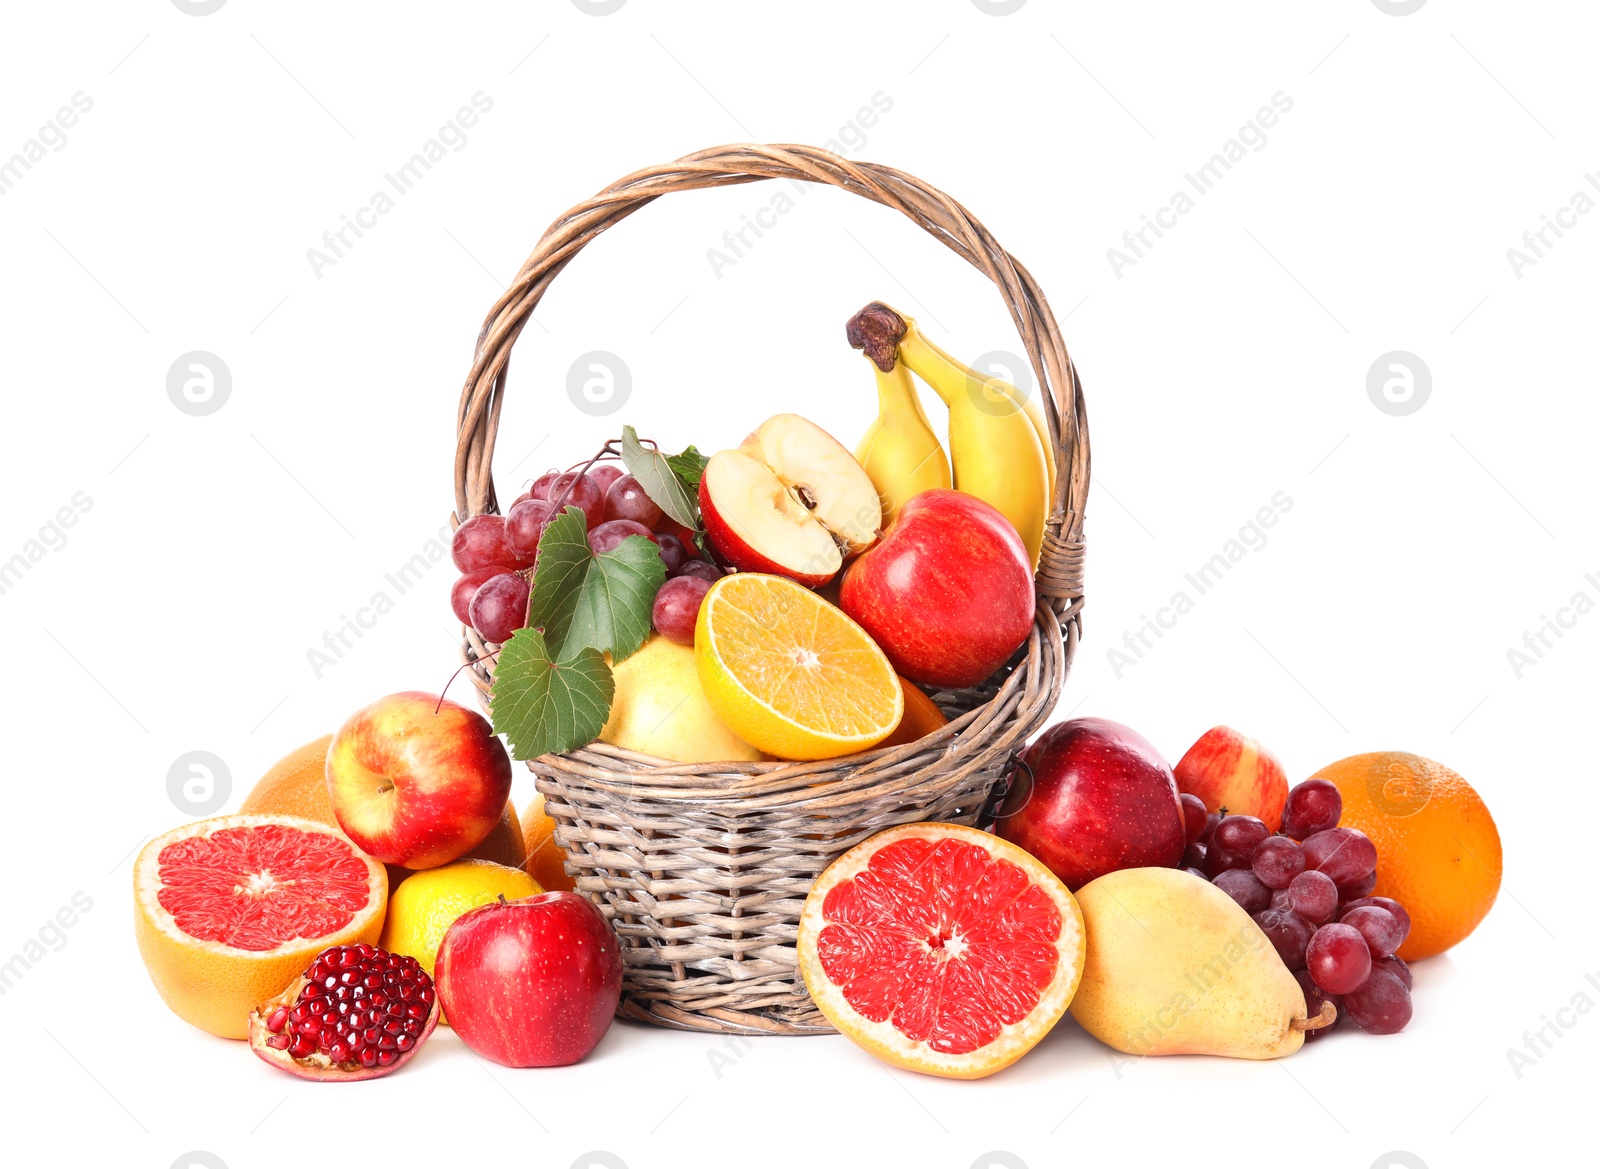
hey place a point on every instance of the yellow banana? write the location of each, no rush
(994, 447)
(924, 357)
(900, 452)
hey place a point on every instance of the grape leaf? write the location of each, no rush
(659, 479)
(689, 466)
(543, 706)
(581, 600)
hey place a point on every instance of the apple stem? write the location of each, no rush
(1325, 1019)
(503, 901)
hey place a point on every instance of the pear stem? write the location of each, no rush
(1325, 1019)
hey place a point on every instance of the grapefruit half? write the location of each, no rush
(941, 949)
(230, 910)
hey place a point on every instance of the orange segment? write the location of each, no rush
(941, 949)
(789, 673)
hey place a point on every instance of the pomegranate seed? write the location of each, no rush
(385, 1058)
(277, 1019)
(302, 1046)
(279, 1042)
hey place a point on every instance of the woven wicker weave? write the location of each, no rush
(703, 869)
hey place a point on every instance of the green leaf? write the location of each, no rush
(543, 706)
(689, 466)
(659, 479)
(613, 608)
(559, 575)
(581, 600)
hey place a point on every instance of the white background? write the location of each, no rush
(1228, 364)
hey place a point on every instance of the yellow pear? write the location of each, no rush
(659, 709)
(1176, 967)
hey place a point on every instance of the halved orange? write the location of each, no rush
(941, 949)
(789, 673)
(228, 911)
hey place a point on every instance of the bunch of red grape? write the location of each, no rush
(494, 552)
(1309, 889)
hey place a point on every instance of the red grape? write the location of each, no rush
(1314, 896)
(1377, 926)
(1396, 966)
(575, 489)
(677, 606)
(1194, 816)
(1315, 996)
(500, 607)
(481, 543)
(1313, 806)
(1356, 890)
(673, 554)
(461, 592)
(1280, 900)
(1289, 934)
(1241, 834)
(1394, 907)
(1220, 859)
(1338, 958)
(1194, 856)
(1277, 861)
(703, 569)
(1243, 886)
(1193, 872)
(1344, 854)
(604, 475)
(525, 524)
(1381, 1005)
(605, 537)
(540, 489)
(626, 500)
(1212, 821)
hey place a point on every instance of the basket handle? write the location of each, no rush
(1059, 581)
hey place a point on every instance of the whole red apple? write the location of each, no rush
(947, 592)
(530, 983)
(416, 780)
(1101, 798)
(1233, 771)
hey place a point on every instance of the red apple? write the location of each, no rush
(415, 786)
(792, 500)
(947, 593)
(530, 983)
(1229, 770)
(1100, 798)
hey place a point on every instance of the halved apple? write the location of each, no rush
(791, 500)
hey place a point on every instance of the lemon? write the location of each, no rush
(425, 904)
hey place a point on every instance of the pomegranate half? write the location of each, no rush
(356, 1013)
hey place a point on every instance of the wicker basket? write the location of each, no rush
(703, 869)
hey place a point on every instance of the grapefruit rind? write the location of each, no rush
(883, 1039)
(214, 985)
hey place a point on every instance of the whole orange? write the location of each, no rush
(545, 858)
(295, 785)
(1438, 848)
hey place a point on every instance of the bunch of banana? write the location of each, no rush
(999, 440)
